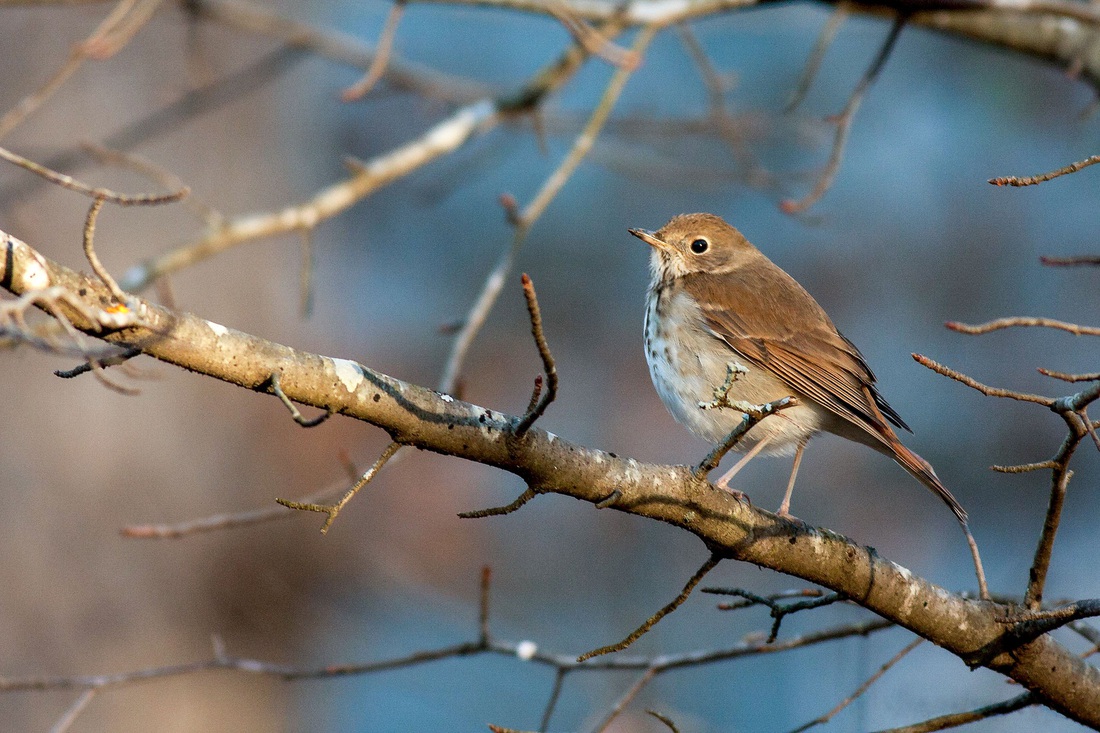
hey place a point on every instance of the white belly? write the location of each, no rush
(687, 367)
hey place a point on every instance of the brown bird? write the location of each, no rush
(716, 302)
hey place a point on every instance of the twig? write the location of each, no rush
(73, 712)
(844, 123)
(167, 179)
(627, 697)
(1070, 261)
(114, 360)
(1025, 467)
(1022, 321)
(813, 64)
(664, 719)
(258, 19)
(548, 365)
(984, 389)
(752, 415)
(712, 561)
(381, 55)
(483, 605)
(590, 39)
(499, 511)
(145, 199)
(748, 600)
(779, 611)
(225, 521)
(955, 720)
(294, 412)
(89, 252)
(583, 144)
(862, 688)
(1063, 615)
(552, 701)
(79, 54)
(728, 129)
(1033, 599)
(523, 220)
(1043, 177)
(366, 178)
(1090, 377)
(305, 274)
(332, 510)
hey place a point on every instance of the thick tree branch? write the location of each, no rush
(431, 421)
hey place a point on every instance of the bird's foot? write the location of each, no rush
(739, 495)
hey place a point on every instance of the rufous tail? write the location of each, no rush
(922, 471)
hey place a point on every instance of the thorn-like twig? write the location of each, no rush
(1043, 177)
(649, 623)
(499, 511)
(332, 510)
(294, 412)
(381, 56)
(547, 360)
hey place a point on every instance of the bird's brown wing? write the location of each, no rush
(772, 322)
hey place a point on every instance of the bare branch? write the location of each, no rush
(974, 384)
(73, 712)
(523, 220)
(626, 699)
(862, 688)
(332, 510)
(381, 56)
(429, 420)
(844, 123)
(107, 194)
(1043, 177)
(752, 415)
(294, 412)
(1070, 261)
(1020, 321)
(779, 611)
(825, 39)
(958, 719)
(590, 39)
(1090, 377)
(709, 565)
(499, 511)
(535, 412)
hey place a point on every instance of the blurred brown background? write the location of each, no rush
(910, 236)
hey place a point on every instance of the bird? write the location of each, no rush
(717, 306)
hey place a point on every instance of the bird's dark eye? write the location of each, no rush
(699, 246)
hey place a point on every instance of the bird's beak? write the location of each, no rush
(649, 238)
